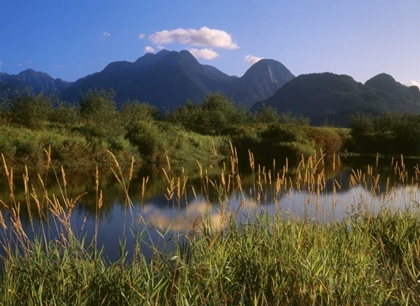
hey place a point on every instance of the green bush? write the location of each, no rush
(271, 141)
(27, 110)
(98, 112)
(213, 116)
(133, 111)
(65, 114)
(266, 114)
(329, 140)
(279, 133)
(146, 137)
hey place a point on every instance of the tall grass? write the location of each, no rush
(248, 257)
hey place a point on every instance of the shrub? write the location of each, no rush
(279, 133)
(266, 114)
(28, 110)
(146, 137)
(361, 124)
(98, 112)
(326, 139)
(65, 114)
(133, 111)
(189, 116)
(212, 117)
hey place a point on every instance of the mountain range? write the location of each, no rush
(38, 81)
(168, 79)
(332, 98)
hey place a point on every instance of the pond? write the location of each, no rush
(164, 203)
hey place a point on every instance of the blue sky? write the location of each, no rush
(70, 39)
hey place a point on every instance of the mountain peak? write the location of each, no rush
(151, 58)
(32, 73)
(384, 82)
(382, 77)
(183, 58)
(27, 71)
(163, 52)
(269, 70)
(37, 80)
(394, 90)
(260, 81)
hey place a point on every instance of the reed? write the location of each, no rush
(249, 256)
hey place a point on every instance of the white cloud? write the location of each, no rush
(413, 83)
(30, 62)
(149, 49)
(1, 63)
(20, 64)
(203, 37)
(252, 59)
(59, 66)
(142, 36)
(205, 53)
(106, 34)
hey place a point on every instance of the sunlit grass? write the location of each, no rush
(245, 255)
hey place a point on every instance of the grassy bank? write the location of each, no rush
(265, 259)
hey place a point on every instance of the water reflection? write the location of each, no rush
(328, 195)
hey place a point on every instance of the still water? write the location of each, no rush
(164, 203)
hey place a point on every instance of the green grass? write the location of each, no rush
(270, 261)
(76, 148)
(266, 259)
(22, 146)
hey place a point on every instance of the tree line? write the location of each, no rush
(29, 123)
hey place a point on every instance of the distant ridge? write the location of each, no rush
(331, 98)
(395, 92)
(168, 79)
(38, 81)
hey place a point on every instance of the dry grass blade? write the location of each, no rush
(48, 153)
(171, 188)
(6, 169)
(2, 223)
(145, 180)
(71, 203)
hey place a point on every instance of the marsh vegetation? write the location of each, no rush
(244, 244)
